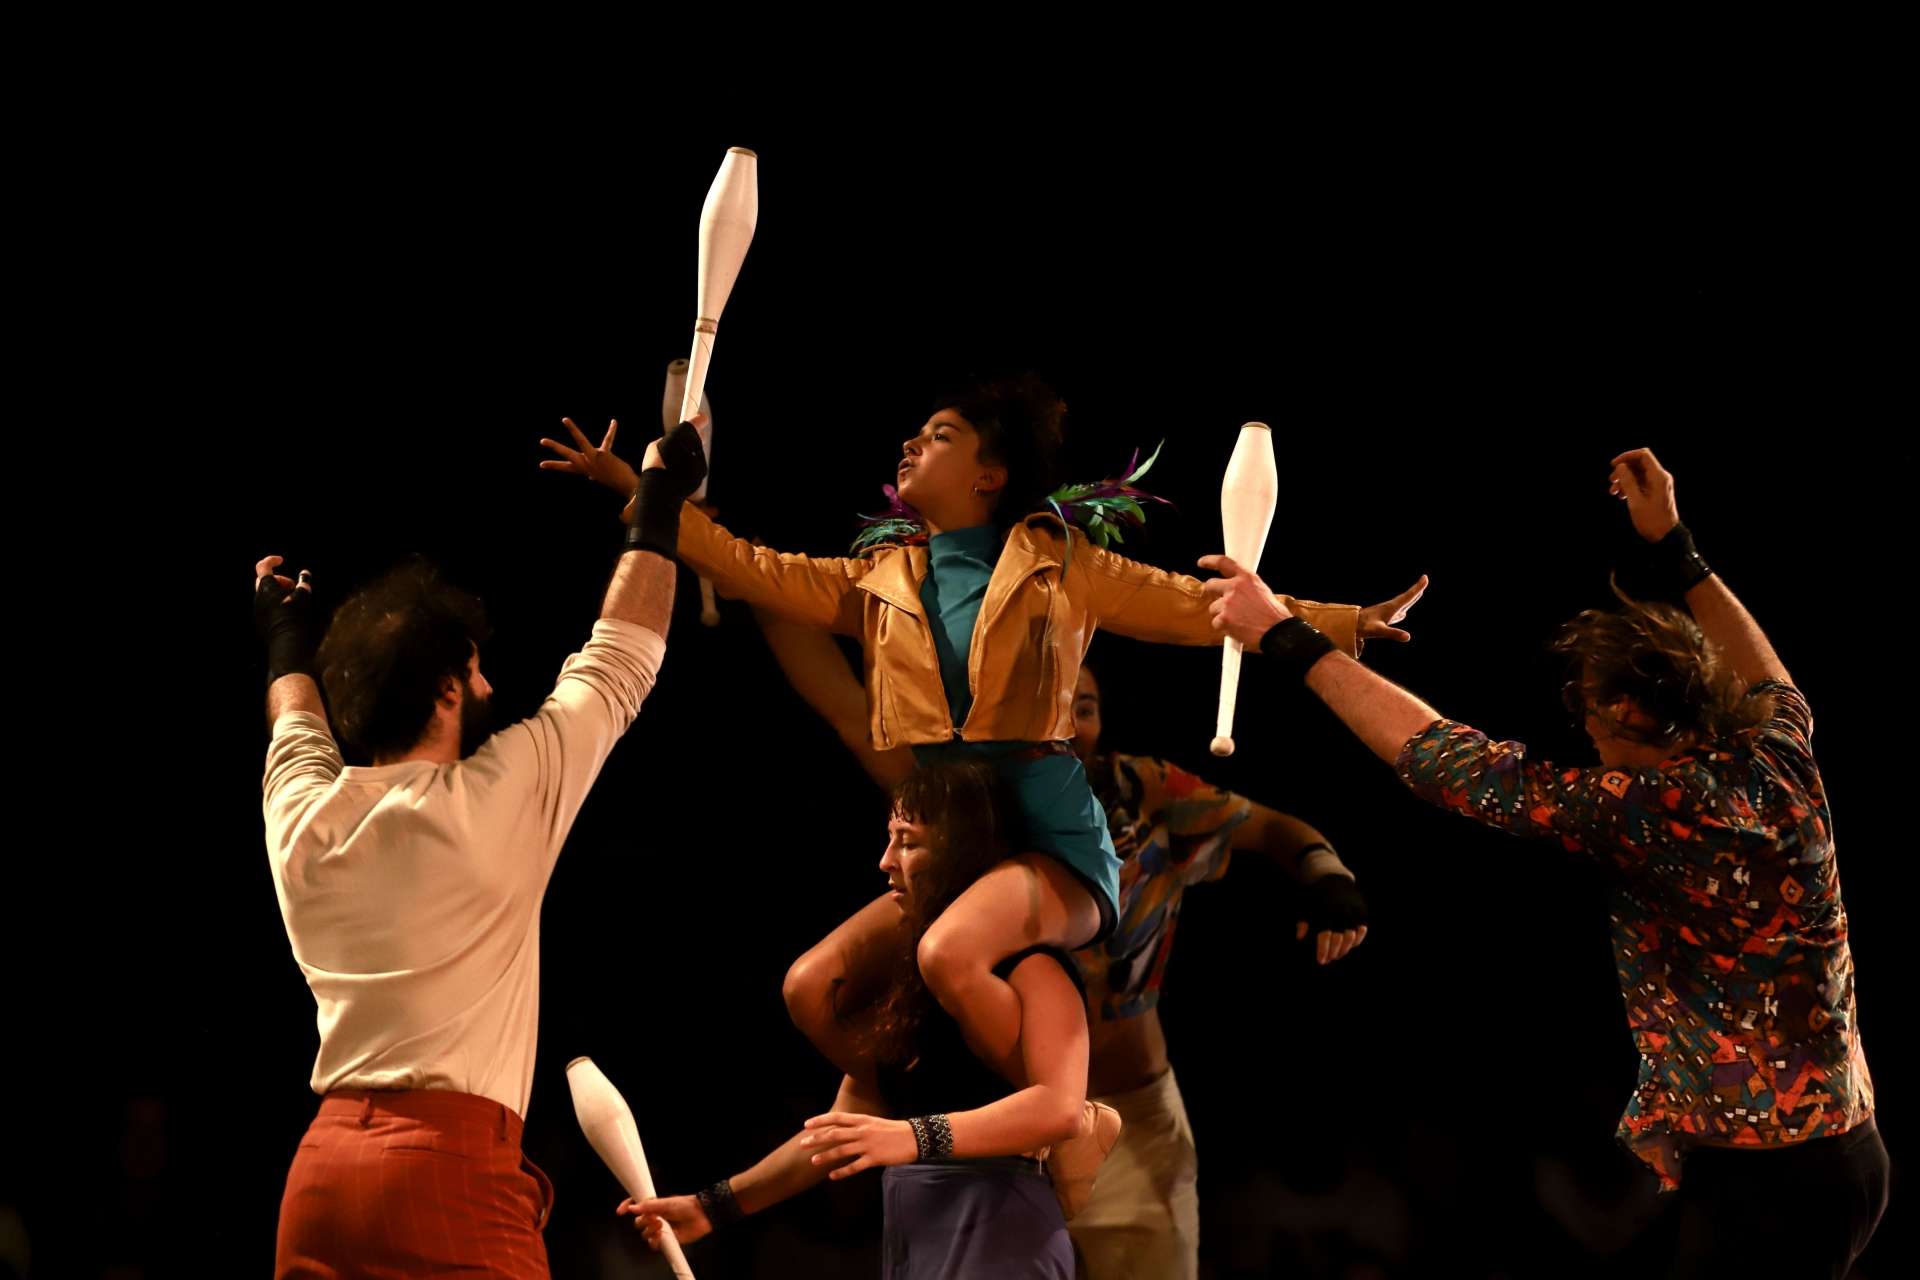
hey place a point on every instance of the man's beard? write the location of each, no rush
(476, 722)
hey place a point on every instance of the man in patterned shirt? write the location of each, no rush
(1729, 934)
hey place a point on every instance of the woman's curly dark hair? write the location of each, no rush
(1022, 426)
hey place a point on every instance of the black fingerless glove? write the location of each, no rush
(290, 628)
(1333, 903)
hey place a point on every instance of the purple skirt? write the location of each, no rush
(961, 1219)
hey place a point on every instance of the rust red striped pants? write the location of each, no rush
(412, 1182)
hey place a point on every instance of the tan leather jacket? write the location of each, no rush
(1033, 629)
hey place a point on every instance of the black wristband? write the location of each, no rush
(656, 515)
(933, 1136)
(1295, 645)
(1675, 565)
(719, 1204)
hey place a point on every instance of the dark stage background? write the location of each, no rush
(1451, 341)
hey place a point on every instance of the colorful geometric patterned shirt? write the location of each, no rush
(1729, 936)
(1171, 830)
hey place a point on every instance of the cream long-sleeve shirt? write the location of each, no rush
(411, 892)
